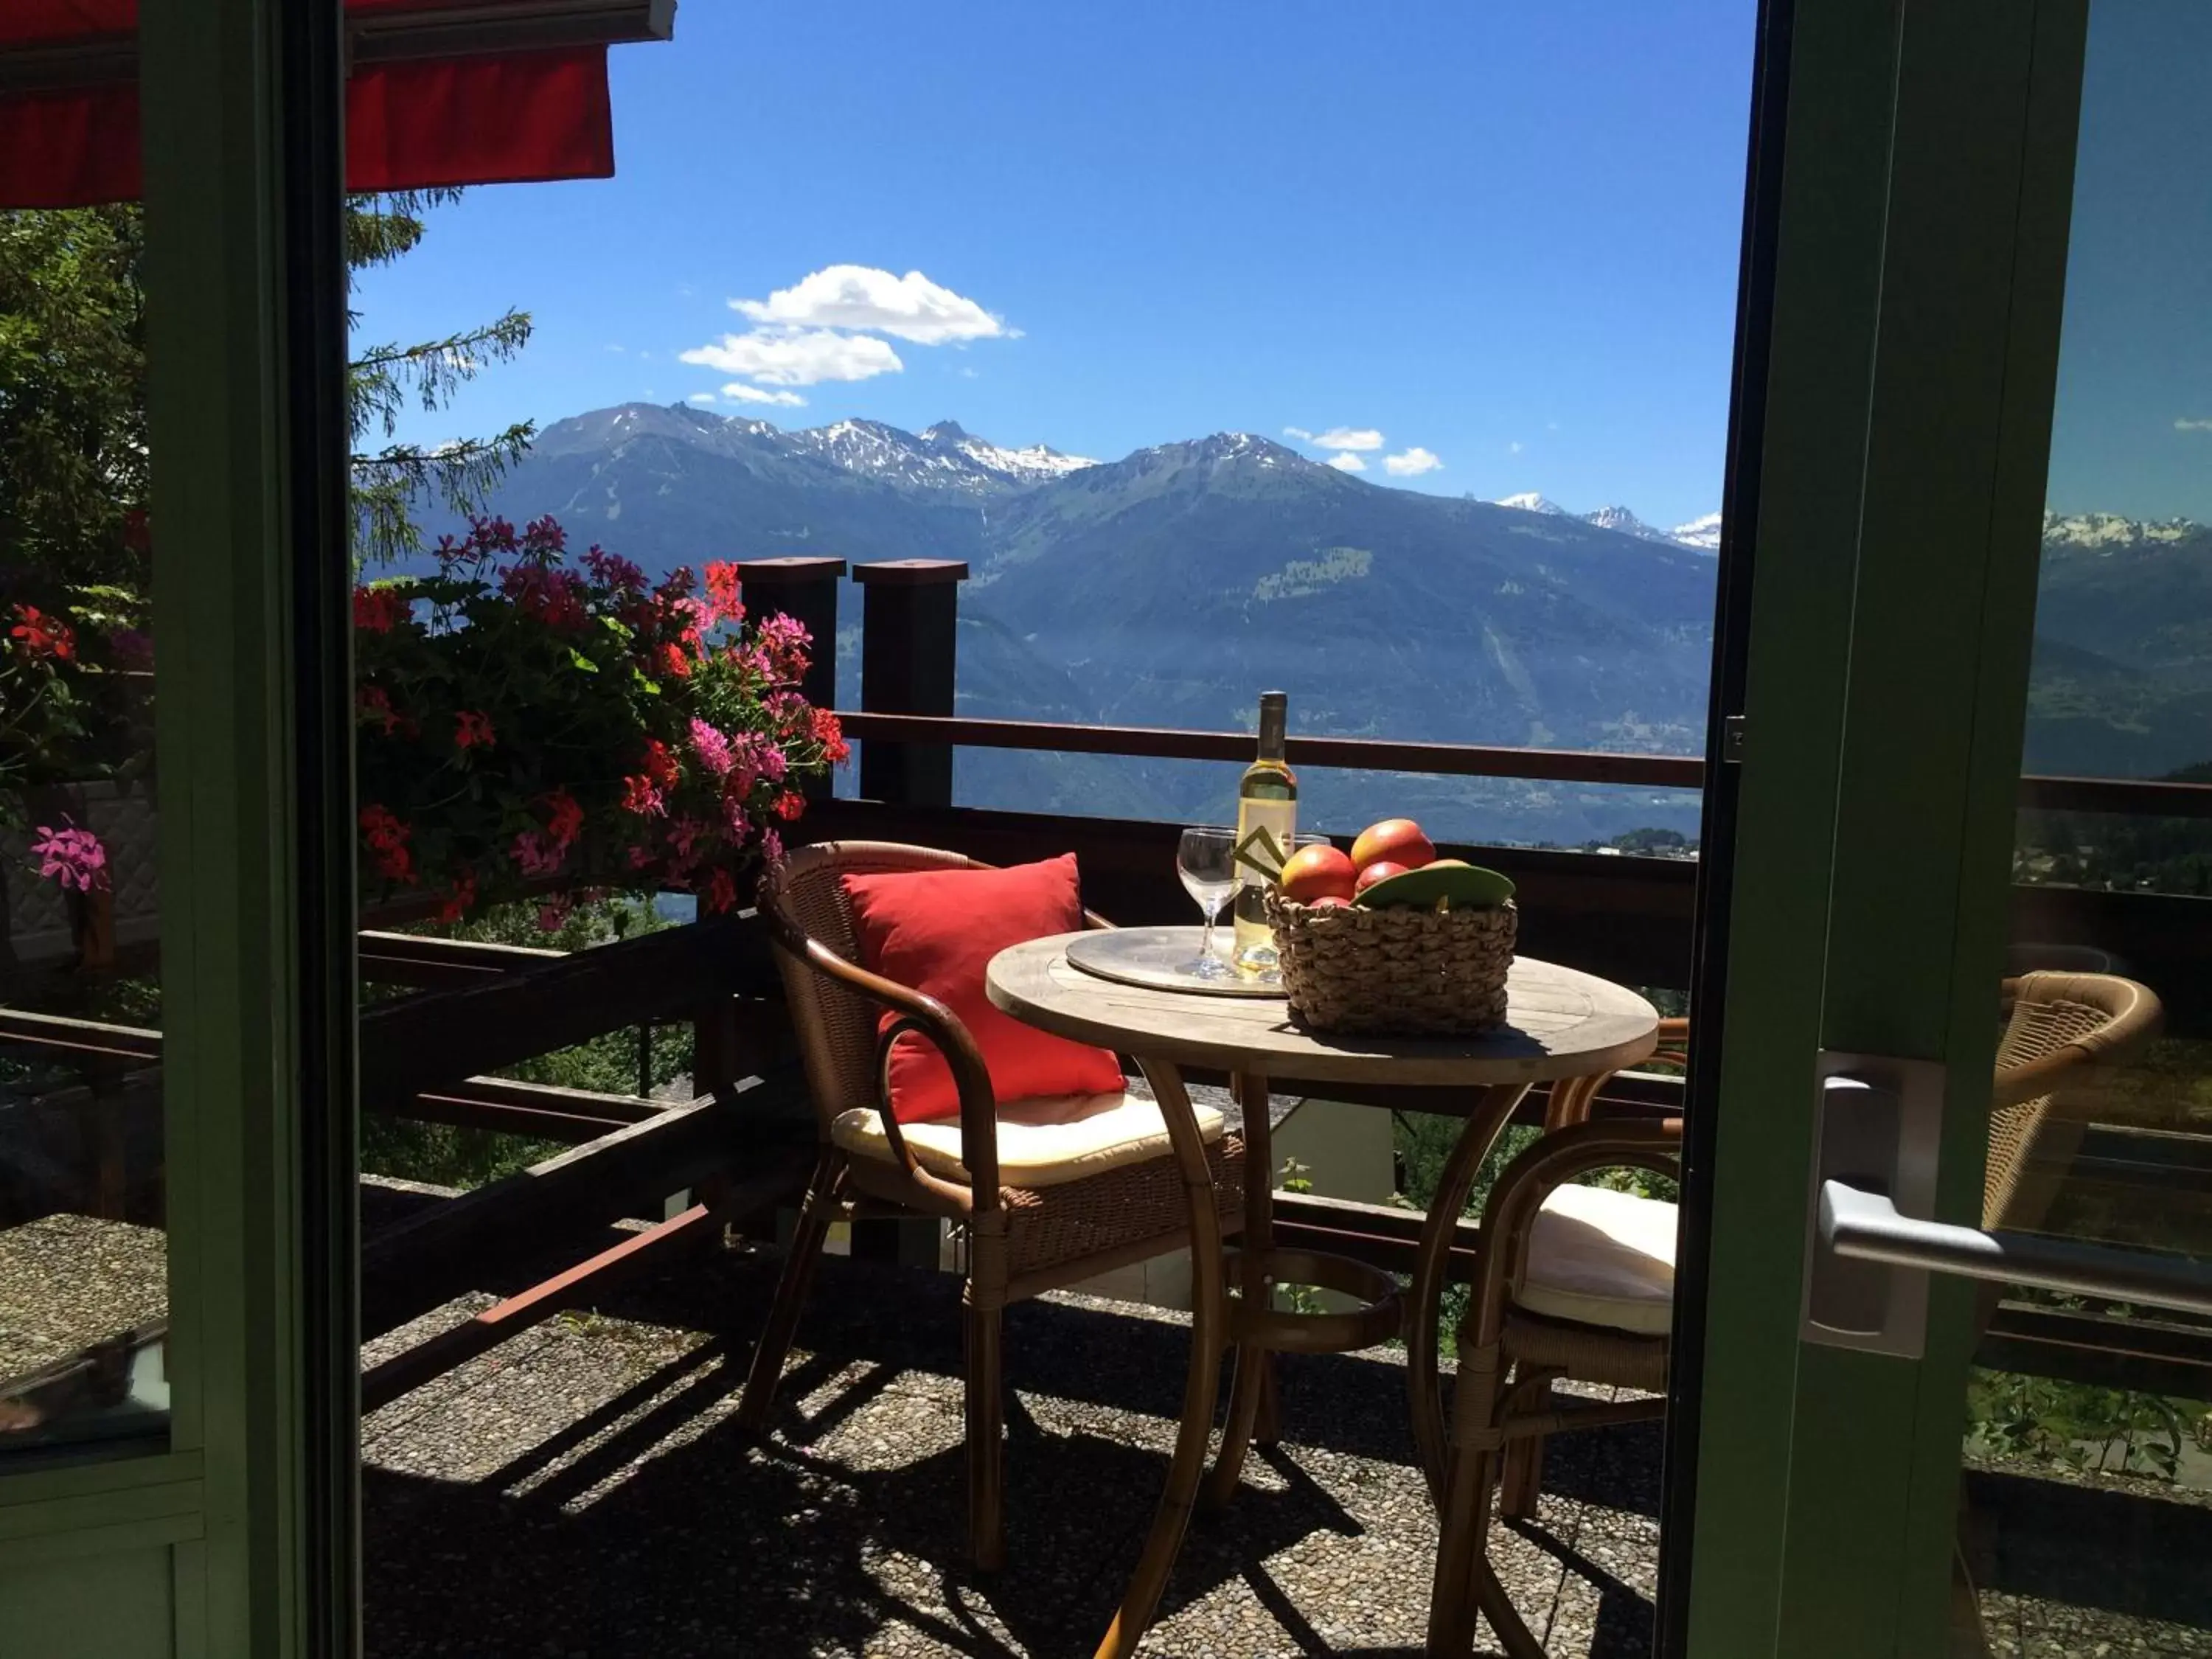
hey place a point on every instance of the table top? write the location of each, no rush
(1559, 1024)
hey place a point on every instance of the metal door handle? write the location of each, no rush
(1865, 1227)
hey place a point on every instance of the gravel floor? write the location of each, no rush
(582, 1490)
(66, 1281)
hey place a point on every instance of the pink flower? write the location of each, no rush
(736, 819)
(71, 856)
(785, 639)
(535, 855)
(640, 857)
(683, 833)
(712, 748)
(379, 610)
(470, 728)
(564, 819)
(641, 797)
(553, 913)
(771, 846)
(721, 892)
(614, 570)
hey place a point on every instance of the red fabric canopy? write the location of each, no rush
(410, 124)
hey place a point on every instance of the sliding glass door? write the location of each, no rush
(1948, 1087)
(176, 1440)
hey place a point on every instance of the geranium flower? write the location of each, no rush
(685, 834)
(642, 797)
(722, 588)
(536, 856)
(71, 856)
(379, 610)
(722, 892)
(712, 748)
(459, 898)
(790, 805)
(827, 730)
(471, 728)
(386, 836)
(771, 845)
(373, 705)
(613, 570)
(785, 639)
(660, 763)
(564, 819)
(44, 636)
(676, 661)
(554, 912)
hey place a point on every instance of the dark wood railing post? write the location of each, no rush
(806, 590)
(910, 623)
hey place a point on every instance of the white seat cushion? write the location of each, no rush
(1599, 1257)
(1042, 1143)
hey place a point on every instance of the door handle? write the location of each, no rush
(1863, 1226)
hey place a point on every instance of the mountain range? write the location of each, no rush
(1169, 587)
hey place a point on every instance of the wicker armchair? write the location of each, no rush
(1578, 1282)
(1048, 1192)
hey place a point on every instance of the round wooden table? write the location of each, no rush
(1560, 1025)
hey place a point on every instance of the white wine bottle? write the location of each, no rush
(1267, 798)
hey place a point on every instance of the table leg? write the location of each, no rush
(1431, 1268)
(1142, 1598)
(1253, 1363)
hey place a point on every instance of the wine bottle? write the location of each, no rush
(1267, 798)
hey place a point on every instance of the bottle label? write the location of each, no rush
(1280, 819)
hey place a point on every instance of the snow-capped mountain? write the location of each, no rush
(1529, 501)
(2112, 532)
(1702, 533)
(943, 457)
(1621, 518)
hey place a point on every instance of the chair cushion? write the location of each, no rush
(1599, 1257)
(936, 931)
(1042, 1143)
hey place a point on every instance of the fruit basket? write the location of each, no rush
(1401, 971)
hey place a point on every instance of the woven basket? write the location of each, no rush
(1402, 971)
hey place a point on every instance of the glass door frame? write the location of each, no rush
(238, 1537)
(1910, 198)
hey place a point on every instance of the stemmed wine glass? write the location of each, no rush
(1206, 859)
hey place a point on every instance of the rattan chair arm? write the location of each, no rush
(1550, 1162)
(2135, 1016)
(931, 1019)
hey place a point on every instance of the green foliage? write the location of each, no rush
(2072, 1425)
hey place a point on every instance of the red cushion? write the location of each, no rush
(936, 931)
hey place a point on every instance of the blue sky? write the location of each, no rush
(1501, 237)
(2133, 428)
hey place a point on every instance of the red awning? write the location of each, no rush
(441, 93)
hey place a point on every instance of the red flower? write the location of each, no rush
(386, 836)
(723, 591)
(660, 763)
(470, 728)
(536, 856)
(43, 635)
(373, 704)
(564, 819)
(136, 536)
(675, 660)
(789, 805)
(457, 901)
(721, 892)
(641, 797)
(379, 610)
(830, 732)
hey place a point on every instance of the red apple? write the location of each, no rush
(1330, 902)
(1381, 869)
(1396, 840)
(1318, 872)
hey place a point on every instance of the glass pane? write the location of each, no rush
(83, 1270)
(2089, 1449)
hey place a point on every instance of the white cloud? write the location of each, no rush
(699, 398)
(1299, 432)
(780, 356)
(1345, 437)
(862, 297)
(1513, 448)
(738, 392)
(1345, 461)
(2184, 424)
(612, 347)
(1412, 463)
(967, 374)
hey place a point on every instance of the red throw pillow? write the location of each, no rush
(936, 931)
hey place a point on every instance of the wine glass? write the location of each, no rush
(1206, 859)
